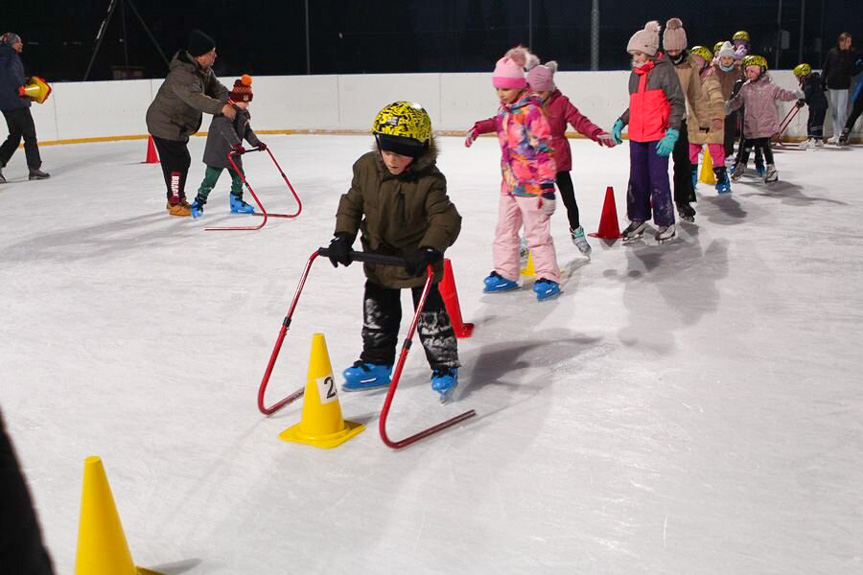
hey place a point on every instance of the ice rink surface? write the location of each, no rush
(693, 408)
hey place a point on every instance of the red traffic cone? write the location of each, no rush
(450, 300)
(152, 156)
(608, 228)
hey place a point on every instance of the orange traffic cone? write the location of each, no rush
(321, 422)
(608, 227)
(449, 295)
(152, 156)
(102, 547)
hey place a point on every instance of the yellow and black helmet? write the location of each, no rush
(717, 47)
(403, 127)
(702, 51)
(801, 70)
(741, 35)
(756, 61)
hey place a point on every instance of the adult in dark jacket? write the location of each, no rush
(21, 548)
(398, 199)
(856, 102)
(16, 108)
(223, 137)
(837, 71)
(175, 114)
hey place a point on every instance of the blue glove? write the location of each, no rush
(666, 144)
(616, 130)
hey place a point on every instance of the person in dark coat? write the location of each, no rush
(837, 72)
(812, 86)
(16, 108)
(224, 137)
(175, 113)
(856, 102)
(398, 199)
(21, 549)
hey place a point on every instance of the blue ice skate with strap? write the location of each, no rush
(362, 375)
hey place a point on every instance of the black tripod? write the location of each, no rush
(101, 34)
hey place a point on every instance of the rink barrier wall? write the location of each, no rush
(81, 112)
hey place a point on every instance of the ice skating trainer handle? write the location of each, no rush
(368, 258)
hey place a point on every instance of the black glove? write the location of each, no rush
(340, 249)
(238, 149)
(737, 85)
(801, 103)
(417, 262)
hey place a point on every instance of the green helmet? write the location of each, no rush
(702, 51)
(741, 35)
(801, 70)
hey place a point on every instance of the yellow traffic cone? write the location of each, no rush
(102, 548)
(528, 270)
(321, 422)
(707, 175)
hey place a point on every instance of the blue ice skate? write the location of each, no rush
(496, 283)
(197, 208)
(362, 375)
(444, 380)
(546, 289)
(238, 206)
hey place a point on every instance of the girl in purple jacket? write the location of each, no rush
(760, 118)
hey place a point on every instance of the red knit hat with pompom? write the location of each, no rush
(242, 91)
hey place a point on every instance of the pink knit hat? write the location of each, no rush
(646, 40)
(509, 70)
(541, 77)
(674, 37)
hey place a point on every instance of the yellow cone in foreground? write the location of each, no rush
(321, 422)
(707, 175)
(102, 548)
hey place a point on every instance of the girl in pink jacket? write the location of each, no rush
(559, 111)
(760, 118)
(527, 187)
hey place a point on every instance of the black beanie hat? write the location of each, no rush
(200, 43)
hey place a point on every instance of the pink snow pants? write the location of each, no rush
(717, 154)
(513, 211)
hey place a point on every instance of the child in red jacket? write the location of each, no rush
(654, 115)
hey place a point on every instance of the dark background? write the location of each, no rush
(377, 36)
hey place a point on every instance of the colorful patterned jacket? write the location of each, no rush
(527, 156)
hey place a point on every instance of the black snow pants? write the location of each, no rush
(684, 193)
(176, 160)
(382, 314)
(21, 125)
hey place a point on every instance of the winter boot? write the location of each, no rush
(546, 289)
(843, 137)
(238, 206)
(723, 186)
(694, 175)
(37, 174)
(579, 240)
(666, 233)
(771, 175)
(444, 380)
(634, 230)
(686, 211)
(197, 207)
(495, 283)
(737, 171)
(362, 375)
(182, 209)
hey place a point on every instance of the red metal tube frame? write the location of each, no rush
(371, 258)
(786, 121)
(266, 215)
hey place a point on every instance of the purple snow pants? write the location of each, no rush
(648, 184)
